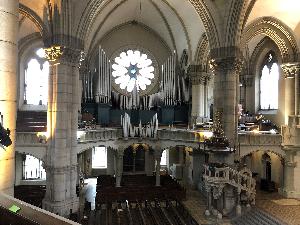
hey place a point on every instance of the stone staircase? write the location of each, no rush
(257, 217)
(241, 179)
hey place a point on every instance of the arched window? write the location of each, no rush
(36, 79)
(163, 161)
(33, 169)
(99, 158)
(269, 83)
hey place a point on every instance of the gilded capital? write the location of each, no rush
(68, 55)
(53, 53)
(290, 69)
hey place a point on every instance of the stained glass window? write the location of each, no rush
(133, 69)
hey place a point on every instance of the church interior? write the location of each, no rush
(149, 112)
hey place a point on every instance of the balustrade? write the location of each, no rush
(229, 176)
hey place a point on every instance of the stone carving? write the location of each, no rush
(53, 53)
(290, 69)
(225, 65)
(217, 190)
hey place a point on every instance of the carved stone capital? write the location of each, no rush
(57, 54)
(290, 69)
(226, 65)
(198, 74)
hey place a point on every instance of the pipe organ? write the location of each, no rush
(100, 95)
(103, 94)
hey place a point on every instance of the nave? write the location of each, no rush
(143, 207)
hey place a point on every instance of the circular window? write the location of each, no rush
(133, 69)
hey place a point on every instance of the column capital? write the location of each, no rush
(225, 65)
(57, 54)
(290, 69)
(198, 74)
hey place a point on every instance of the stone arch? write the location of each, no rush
(31, 15)
(202, 52)
(280, 33)
(208, 22)
(265, 45)
(93, 50)
(276, 150)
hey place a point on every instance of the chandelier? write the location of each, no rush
(133, 69)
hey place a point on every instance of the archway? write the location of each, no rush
(134, 159)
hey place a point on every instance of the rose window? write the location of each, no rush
(133, 69)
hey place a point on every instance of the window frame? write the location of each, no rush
(269, 64)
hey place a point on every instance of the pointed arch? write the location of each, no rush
(280, 33)
(31, 15)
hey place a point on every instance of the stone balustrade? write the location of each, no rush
(259, 139)
(101, 134)
(30, 139)
(248, 141)
(227, 175)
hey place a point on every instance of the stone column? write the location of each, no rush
(290, 165)
(226, 78)
(199, 95)
(158, 154)
(208, 200)
(9, 14)
(62, 116)
(238, 203)
(119, 166)
(291, 74)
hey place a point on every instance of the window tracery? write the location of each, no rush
(269, 83)
(36, 79)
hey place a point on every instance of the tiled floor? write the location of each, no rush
(287, 210)
(196, 205)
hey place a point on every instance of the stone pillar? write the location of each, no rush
(199, 92)
(226, 80)
(62, 116)
(290, 165)
(291, 74)
(158, 154)
(238, 203)
(119, 166)
(208, 200)
(8, 86)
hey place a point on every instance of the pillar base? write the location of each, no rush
(289, 193)
(62, 208)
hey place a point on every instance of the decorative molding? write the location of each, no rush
(57, 54)
(281, 34)
(31, 15)
(198, 75)
(234, 22)
(290, 69)
(208, 22)
(225, 65)
(53, 53)
(202, 52)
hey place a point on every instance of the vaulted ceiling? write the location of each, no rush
(177, 22)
